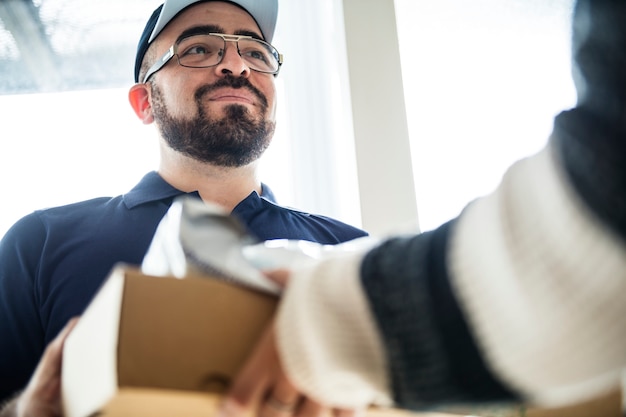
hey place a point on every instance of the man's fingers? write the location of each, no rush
(42, 394)
(340, 412)
(283, 400)
(284, 393)
(310, 408)
(273, 407)
(59, 340)
(50, 364)
(254, 380)
(279, 276)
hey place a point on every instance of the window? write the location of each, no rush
(483, 81)
(68, 132)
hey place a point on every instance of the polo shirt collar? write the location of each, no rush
(153, 187)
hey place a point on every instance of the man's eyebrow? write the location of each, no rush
(248, 33)
(206, 29)
(199, 30)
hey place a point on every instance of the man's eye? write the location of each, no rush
(199, 50)
(256, 55)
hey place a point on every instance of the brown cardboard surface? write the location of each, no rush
(204, 329)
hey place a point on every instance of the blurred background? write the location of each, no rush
(481, 82)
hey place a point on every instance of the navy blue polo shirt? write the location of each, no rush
(53, 261)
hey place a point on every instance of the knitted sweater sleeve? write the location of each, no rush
(521, 297)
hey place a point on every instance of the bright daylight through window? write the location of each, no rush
(68, 130)
(483, 80)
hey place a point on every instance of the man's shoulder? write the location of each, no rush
(77, 209)
(268, 220)
(56, 217)
(83, 216)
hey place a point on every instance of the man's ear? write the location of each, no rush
(139, 97)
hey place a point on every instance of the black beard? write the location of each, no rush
(235, 140)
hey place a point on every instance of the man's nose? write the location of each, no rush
(232, 63)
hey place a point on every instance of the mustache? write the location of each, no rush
(232, 82)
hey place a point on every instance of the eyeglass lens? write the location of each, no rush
(207, 50)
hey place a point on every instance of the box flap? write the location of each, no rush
(90, 351)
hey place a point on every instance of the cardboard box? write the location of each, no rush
(159, 337)
(163, 346)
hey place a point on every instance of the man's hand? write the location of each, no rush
(42, 396)
(263, 388)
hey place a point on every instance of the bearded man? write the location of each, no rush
(205, 76)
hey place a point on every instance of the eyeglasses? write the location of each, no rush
(203, 51)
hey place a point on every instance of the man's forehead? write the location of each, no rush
(207, 29)
(213, 16)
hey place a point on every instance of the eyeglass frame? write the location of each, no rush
(172, 51)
